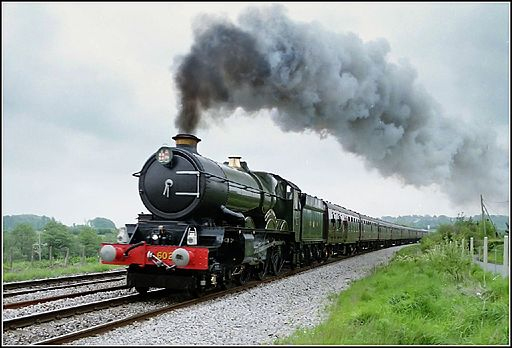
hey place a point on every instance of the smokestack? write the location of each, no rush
(187, 141)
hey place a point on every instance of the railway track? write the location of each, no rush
(94, 330)
(97, 329)
(28, 329)
(31, 320)
(65, 286)
(44, 284)
(21, 304)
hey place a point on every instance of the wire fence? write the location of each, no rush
(61, 257)
(492, 256)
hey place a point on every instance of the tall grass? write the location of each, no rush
(420, 298)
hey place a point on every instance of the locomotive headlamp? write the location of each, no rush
(122, 236)
(192, 236)
(164, 155)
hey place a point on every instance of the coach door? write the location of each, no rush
(296, 214)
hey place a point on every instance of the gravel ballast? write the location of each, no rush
(255, 317)
(63, 303)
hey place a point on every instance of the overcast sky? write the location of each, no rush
(88, 95)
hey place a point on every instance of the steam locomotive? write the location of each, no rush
(215, 224)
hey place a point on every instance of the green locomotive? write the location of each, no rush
(211, 224)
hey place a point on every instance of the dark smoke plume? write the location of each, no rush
(338, 85)
(222, 58)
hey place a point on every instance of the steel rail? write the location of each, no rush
(94, 330)
(59, 297)
(29, 291)
(31, 319)
(28, 283)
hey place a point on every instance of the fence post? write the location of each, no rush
(485, 252)
(66, 258)
(471, 246)
(83, 255)
(10, 258)
(463, 245)
(505, 254)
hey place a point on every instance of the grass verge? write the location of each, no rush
(44, 269)
(436, 297)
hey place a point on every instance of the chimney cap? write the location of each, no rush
(187, 138)
(187, 141)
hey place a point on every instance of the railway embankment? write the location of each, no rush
(435, 296)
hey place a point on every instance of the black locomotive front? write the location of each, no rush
(208, 221)
(179, 184)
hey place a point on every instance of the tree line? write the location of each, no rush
(24, 242)
(462, 230)
(433, 222)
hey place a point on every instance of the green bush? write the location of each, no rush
(448, 259)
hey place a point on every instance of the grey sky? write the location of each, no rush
(88, 96)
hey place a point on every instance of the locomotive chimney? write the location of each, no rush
(188, 141)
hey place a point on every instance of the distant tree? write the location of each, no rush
(75, 229)
(110, 237)
(500, 221)
(57, 235)
(90, 239)
(460, 230)
(103, 231)
(21, 239)
(36, 221)
(9, 248)
(100, 222)
(490, 231)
